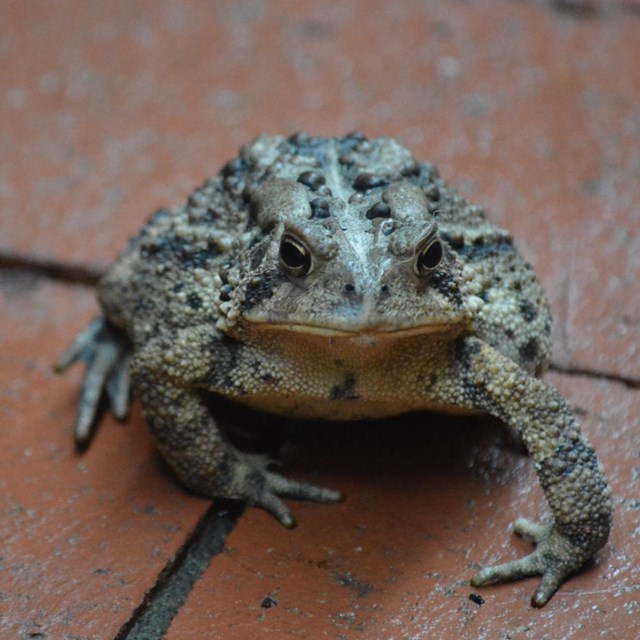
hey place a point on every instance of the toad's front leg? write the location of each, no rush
(166, 374)
(567, 467)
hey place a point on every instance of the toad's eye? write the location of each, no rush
(429, 257)
(294, 256)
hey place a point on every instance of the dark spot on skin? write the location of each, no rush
(432, 192)
(346, 390)
(481, 250)
(224, 353)
(148, 248)
(300, 138)
(357, 136)
(351, 146)
(477, 598)
(319, 208)
(364, 147)
(388, 227)
(564, 461)
(426, 384)
(379, 210)
(530, 350)
(184, 252)
(365, 181)
(600, 523)
(411, 170)
(312, 179)
(255, 366)
(465, 351)
(225, 292)
(234, 167)
(454, 240)
(348, 158)
(258, 290)
(447, 286)
(307, 145)
(528, 310)
(194, 301)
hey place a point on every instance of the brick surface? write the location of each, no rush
(428, 500)
(110, 110)
(83, 536)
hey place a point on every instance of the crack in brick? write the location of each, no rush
(76, 273)
(631, 383)
(152, 618)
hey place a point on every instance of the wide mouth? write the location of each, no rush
(381, 331)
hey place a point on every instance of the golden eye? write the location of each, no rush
(429, 257)
(294, 256)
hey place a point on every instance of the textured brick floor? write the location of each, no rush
(110, 110)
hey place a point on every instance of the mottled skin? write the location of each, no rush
(337, 279)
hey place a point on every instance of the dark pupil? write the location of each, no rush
(293, 255)
(431, 256)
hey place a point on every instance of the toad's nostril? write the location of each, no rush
(384, 288)
(349, 287)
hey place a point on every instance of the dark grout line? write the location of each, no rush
(151, 620)
(631, 383)
(79, 274)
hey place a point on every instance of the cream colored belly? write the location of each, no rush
(348, 378)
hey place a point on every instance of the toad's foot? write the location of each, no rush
(555, 558)
(251, 482)
(107, 353)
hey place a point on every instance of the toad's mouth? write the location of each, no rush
(377, 331)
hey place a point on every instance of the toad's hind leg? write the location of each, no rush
(106, 352)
